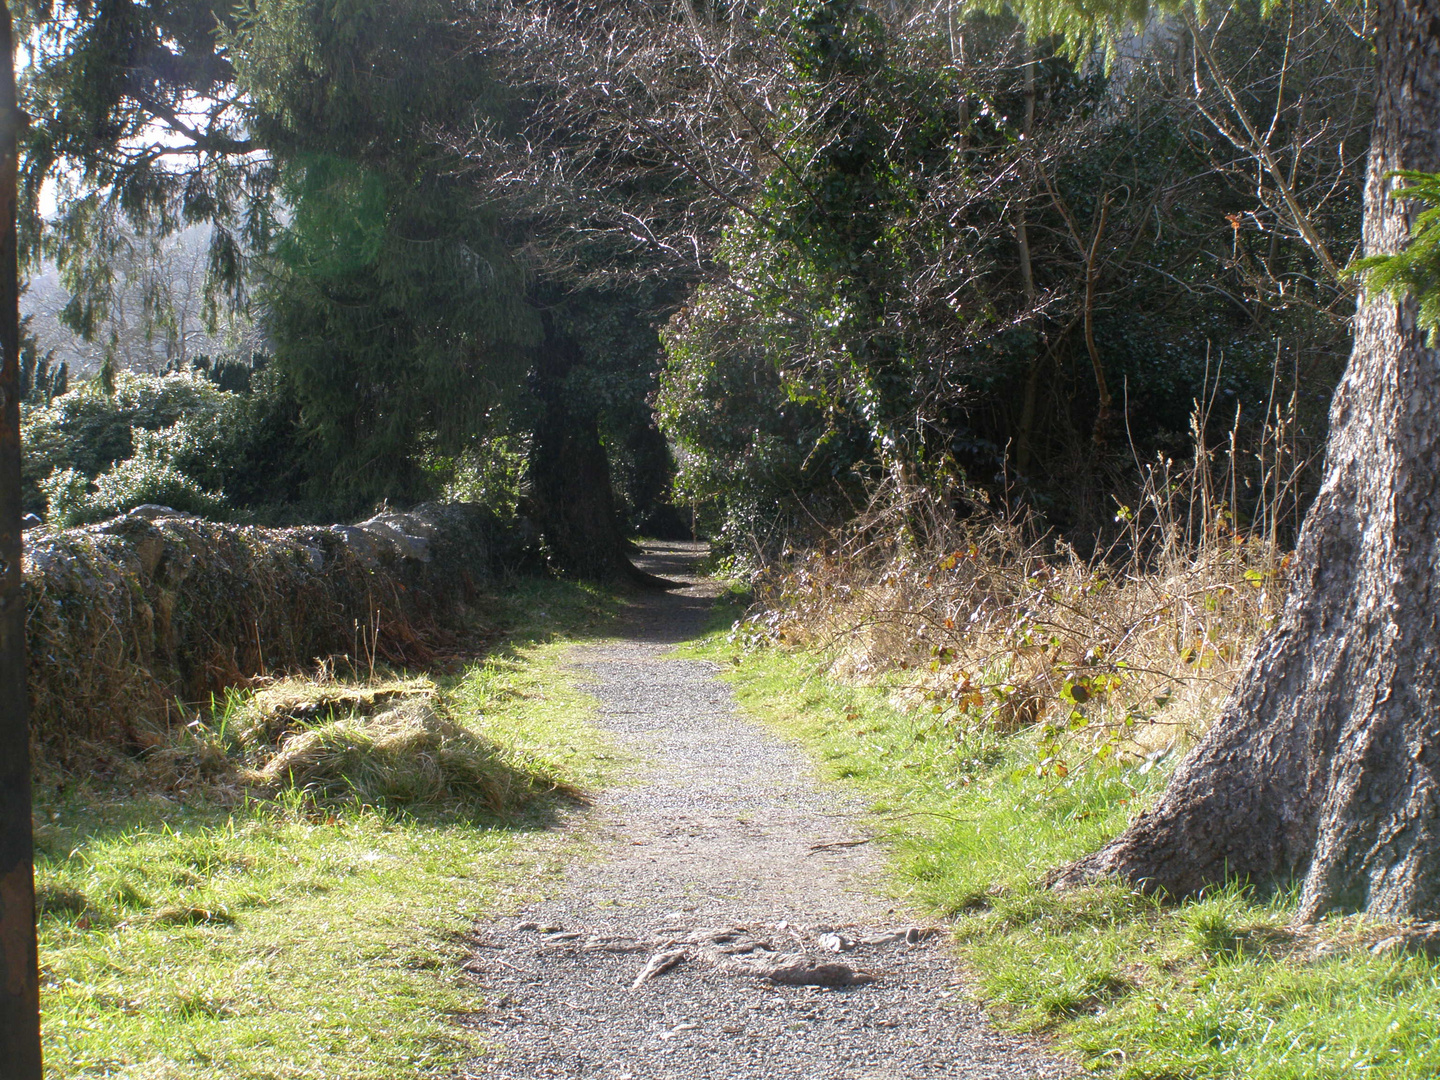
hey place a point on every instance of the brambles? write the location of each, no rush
(980, 624)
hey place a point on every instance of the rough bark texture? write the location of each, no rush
(1325, 762)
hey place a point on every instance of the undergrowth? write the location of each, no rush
(1007, 706)
(988, 622)
(285, 888)
(1221, 987)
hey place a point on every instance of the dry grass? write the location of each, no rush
(985, 624)
(407, 755)
(322, 743)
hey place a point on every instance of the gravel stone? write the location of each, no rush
(729, 872)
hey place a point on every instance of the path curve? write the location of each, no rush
(711, 875)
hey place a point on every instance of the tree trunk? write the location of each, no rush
(1325, 762)
(570, 486)
(19, 972)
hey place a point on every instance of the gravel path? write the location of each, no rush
(727, 874)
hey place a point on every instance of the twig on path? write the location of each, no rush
(838, 844)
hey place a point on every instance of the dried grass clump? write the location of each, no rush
(1129, 652)
(284, 707)
(326, 743)
(403, 757)
(129, 617)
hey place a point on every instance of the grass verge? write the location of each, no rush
(196, 930)
(1220, 987)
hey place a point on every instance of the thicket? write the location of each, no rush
(975, 266)
(181, 439)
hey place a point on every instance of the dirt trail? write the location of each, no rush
(714, 875)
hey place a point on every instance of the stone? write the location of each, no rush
(659, 964)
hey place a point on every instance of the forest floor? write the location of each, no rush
(729, 870)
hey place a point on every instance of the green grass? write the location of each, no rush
(287, 938)
(1221, 987)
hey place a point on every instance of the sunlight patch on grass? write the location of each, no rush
(288, 935)
(1219, 987)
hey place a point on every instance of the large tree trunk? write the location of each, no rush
(19, 973)
(570, 487)
(1325, 762)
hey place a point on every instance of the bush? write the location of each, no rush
(176, 439)
(150, 476)
(88, 429)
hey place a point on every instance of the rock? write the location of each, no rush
(659, 964)
(836, 943)
(810, 973)
(360, 544)
(150, 550)
(526, 927)
(386, 530)
(29, 521)
(153, 512)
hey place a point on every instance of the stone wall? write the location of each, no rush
(132, 620)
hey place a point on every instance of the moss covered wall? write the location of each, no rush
(133, 617)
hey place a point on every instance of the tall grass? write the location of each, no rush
(995, 624)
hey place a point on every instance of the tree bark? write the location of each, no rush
(1325, 762)
(19, 973)
(570, 485)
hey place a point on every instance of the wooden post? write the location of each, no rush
(19, 972)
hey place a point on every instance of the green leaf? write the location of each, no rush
(1415, 270)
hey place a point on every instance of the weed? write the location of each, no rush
(983, 625)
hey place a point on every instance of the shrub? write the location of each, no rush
(177, 439)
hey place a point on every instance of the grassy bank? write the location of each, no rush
(202, 918)
(1220, 987)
